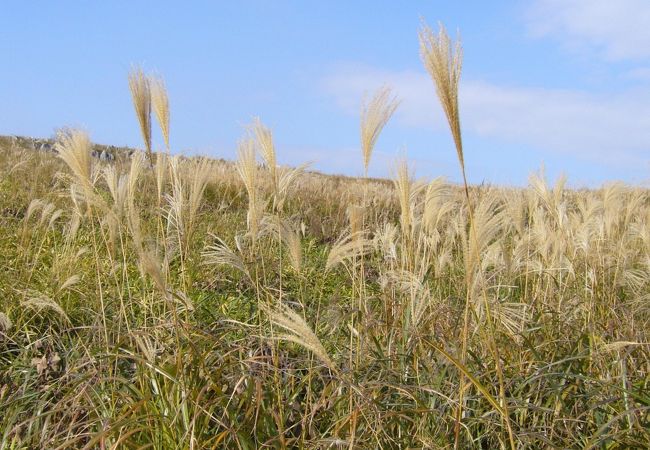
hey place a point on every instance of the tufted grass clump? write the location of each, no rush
(217, 304)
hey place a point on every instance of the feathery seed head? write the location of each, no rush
(161, 171)
(140, 87)
(444, 65)
(160, 103)
(71, 281)
(247, 169)
(247, 166)
(34, 205)
(220, 254)
(299, 332)
(40, 302)
(347, 246)
(73, 148)
(287, 232)
(287, 178)
(404, 189)
(374, 116)
(264, 138)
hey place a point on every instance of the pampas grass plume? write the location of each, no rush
(160, 104)
(444, 64)
(374, 116)
(140, 87)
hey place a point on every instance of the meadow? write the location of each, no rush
(167, 302)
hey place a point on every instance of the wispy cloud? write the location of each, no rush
(612, 129)
(616, 29)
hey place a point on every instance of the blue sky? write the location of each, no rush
(565, 83)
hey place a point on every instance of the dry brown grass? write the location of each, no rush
(375, 114)
(160, 104)
(140, 87)
(444, 64)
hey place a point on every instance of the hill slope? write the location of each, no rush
(200, 303)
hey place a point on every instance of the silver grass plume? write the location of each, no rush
(375, 114)
(160, 103)
(141, 95)
(444, 64)
(299, 332)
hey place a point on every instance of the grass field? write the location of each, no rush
(157, 301)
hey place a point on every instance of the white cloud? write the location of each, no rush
(618, 29)
(613, 129)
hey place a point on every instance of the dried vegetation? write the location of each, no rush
(204, 304)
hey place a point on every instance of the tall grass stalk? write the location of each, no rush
(160, 104)
(140, 87)
(375, 114)
(444, 65)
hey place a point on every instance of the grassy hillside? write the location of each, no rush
(154, 301)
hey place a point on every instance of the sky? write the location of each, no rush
(559, 84)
